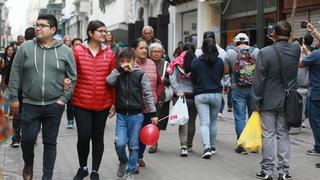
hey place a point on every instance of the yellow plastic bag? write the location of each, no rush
(251, 136)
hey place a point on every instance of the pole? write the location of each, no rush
(260, 23)
(293, 14)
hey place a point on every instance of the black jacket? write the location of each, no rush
(132, 91)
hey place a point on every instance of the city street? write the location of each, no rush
(166, 164)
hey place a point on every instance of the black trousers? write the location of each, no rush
(90, 126)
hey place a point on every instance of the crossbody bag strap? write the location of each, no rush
(280, 64)
(164, 68)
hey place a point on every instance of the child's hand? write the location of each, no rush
(127, 67)
(154, 120)
(66, 83)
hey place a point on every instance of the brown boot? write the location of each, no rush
(27, 172)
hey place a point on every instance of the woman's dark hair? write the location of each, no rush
(75, 39)
(126, 52)
(136, 42)
(210, 51)
(187, 60)
(308, 39)
(94, 25)
(6, 53)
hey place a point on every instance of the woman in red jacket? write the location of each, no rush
(92, 97)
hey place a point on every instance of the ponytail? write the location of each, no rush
(187, 60)
(210, 51)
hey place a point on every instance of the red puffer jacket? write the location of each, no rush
(91, 91)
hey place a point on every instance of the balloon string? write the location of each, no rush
(163, 118)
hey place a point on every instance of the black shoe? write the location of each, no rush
(240, 150)
(284, 177)
(318, 165)
(94, 176)
(229, 109)
(213, 151)
(313, 152)
(206, 154)
(153, 149)
(15, 144)
(262, 175)
(121, 169)
(82, 173)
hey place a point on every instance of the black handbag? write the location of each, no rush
(293, 101)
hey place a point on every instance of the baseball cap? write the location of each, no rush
(241, 37)
(209, 34)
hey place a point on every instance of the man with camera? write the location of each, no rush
(312, 60)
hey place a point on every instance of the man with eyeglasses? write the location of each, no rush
(39, 69)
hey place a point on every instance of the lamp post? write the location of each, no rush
(260, 23)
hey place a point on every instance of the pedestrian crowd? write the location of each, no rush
(96, 79)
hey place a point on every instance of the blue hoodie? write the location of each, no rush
(206, 78)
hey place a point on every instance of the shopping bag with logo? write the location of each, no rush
(251, 136)
(179, 113)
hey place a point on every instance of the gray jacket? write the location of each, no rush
(39, 72)
(268, 92)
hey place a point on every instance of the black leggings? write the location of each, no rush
(90, 126)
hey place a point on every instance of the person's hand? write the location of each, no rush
(112, 111)
(180, 94)
(305, 50)
(60, 102)
(127, 67)
(310, 27)
(154, 120)
(67, 83)
(14, 106)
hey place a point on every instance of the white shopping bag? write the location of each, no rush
(179, 113)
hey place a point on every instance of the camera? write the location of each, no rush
(304, 24)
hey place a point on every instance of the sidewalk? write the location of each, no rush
(166, 164)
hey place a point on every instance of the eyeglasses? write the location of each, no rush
(156, 52)
(101, 31)
(41, 25)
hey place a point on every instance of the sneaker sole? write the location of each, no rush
(262, 178)
(206, 156)
(313, 154)
(184, 155)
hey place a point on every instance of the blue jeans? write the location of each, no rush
(127, 133)
(208, 106)
(32, 119)
(7, 103)
(241, 102)
(221, 105)
(314, 119)
(229, 97)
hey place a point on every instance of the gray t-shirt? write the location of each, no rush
(230, 60)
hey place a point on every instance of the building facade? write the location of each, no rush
(305, 10)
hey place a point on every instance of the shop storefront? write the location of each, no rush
(241, 16)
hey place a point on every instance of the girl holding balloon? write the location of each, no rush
(132, 86)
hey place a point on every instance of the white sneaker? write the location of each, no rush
(184, 151)
(220, 115)
(130, 176)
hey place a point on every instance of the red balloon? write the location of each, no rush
(149, 134)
